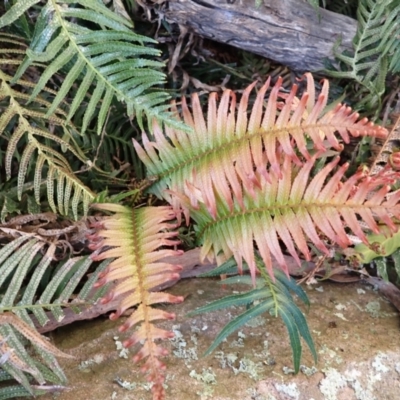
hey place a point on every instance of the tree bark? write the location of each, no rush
(287, 31)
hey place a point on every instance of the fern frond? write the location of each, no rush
(269, 296)
(294, 209)
(390, 43)
(228, 150)
(370, 15)
(22, 269)
(134, 237)
(375, 43)
(109, 61)
(27, 126)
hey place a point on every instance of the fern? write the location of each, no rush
(271, 296)
(25, 123)
(242, 181)
(376, 50)
(390, 43)
(107, 62)
(134, 237)
(22, 269)
(234, 145)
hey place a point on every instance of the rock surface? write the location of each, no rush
(356, 334)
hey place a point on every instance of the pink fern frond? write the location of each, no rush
(234, 152)
(133, 238)
(295, 208)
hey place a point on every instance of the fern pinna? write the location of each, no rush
(133, 238)
(248, 181)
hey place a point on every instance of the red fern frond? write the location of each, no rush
(132, 237)
(294, 208)
(232, 152)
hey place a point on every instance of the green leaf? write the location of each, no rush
(239, 321)
(233, 300)
(381, 265)
(294, 337)
(301, 325)
(16, 11)
(291, 284)
(228, 267)
(382, 245)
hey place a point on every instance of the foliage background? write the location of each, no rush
(67, 124)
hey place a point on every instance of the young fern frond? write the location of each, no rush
(132, 237)
(20, 288)
(271, 296)
(32, 124)
(109, 61)
(232, 154)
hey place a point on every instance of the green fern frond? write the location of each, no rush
(15, 12)
(133, 238)
(375, 43)
(367, 41)
(22, 268)
(108, 62)
(390, 43)
(26, 124)
(271, 297)
(232, 153)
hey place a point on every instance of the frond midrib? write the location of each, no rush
(271, 210)
(227, 145)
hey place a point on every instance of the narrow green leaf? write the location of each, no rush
(38, 273)
(88, 286)
(63, 58)
(233, 300)
(104, 110)
(16, 11)
(69, 80)
(81, 92)
(51, 175)
(19, 275)
(240, 321)
(291, 284)
(293, 335)
(23, 166)
(38, 176)
(228, 267)
(12, 261)
(301, 324)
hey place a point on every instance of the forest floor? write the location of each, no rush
(356, 334)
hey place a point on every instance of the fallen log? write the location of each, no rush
(287, 31)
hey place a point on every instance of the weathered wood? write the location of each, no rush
(287, 31)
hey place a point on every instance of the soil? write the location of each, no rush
(356, 334)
